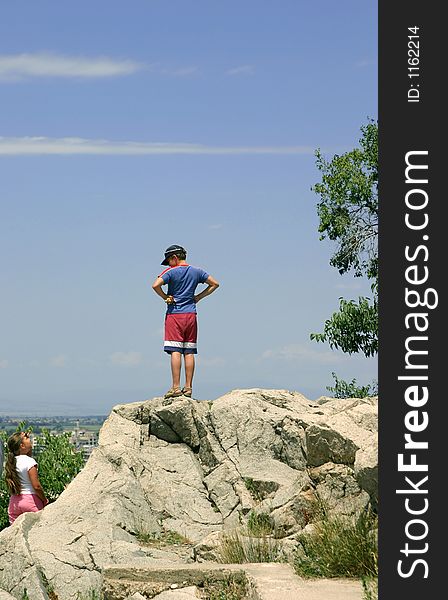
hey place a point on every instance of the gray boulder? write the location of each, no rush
(195, 468)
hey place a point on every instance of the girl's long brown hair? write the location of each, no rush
(11, 476)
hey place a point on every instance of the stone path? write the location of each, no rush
(268, 581)
(279, 582)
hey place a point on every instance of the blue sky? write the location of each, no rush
(128, 127)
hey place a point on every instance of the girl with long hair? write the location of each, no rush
(21, 477)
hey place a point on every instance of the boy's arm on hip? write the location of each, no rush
(212, 286)
(157, 287)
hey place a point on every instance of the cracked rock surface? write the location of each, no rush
(194, 468)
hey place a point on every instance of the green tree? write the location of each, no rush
(348, 216)
(344, 389)
(58, 461)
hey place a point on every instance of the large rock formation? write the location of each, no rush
(195, 468)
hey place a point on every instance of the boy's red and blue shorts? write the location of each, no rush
(181, 333)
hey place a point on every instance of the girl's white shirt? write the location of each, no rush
(23, 464)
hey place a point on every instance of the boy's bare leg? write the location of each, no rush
(176, 363)
(189, 370)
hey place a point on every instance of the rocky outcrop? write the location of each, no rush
(195, 468)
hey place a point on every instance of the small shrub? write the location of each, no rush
(230, 588)
(260, 524)
(344, 389)
(4, 501)
(165, 538)
(91, 595)
(370, 588)
(238, 548)
(59, 462)
(231, 549)
(252, 489)
(339, 548)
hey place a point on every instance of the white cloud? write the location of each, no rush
(185, 71)
(59, 361)
(216, 226)
(301, 353)
(126, 359)
(4, 364)
(16, 67)
(16, 146)
(241, 70)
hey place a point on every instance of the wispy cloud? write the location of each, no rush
(59, 361)
(4, 364)
(241, 70)
(216, 226)
(16, 67)
(15, 146)
(299, 352)
(126, 359)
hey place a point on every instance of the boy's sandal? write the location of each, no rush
(173, 393)
(187, 391)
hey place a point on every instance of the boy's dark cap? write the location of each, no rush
(171, 251)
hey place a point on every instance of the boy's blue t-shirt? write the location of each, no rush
(182, 283)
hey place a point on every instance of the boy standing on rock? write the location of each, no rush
(180, 318)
